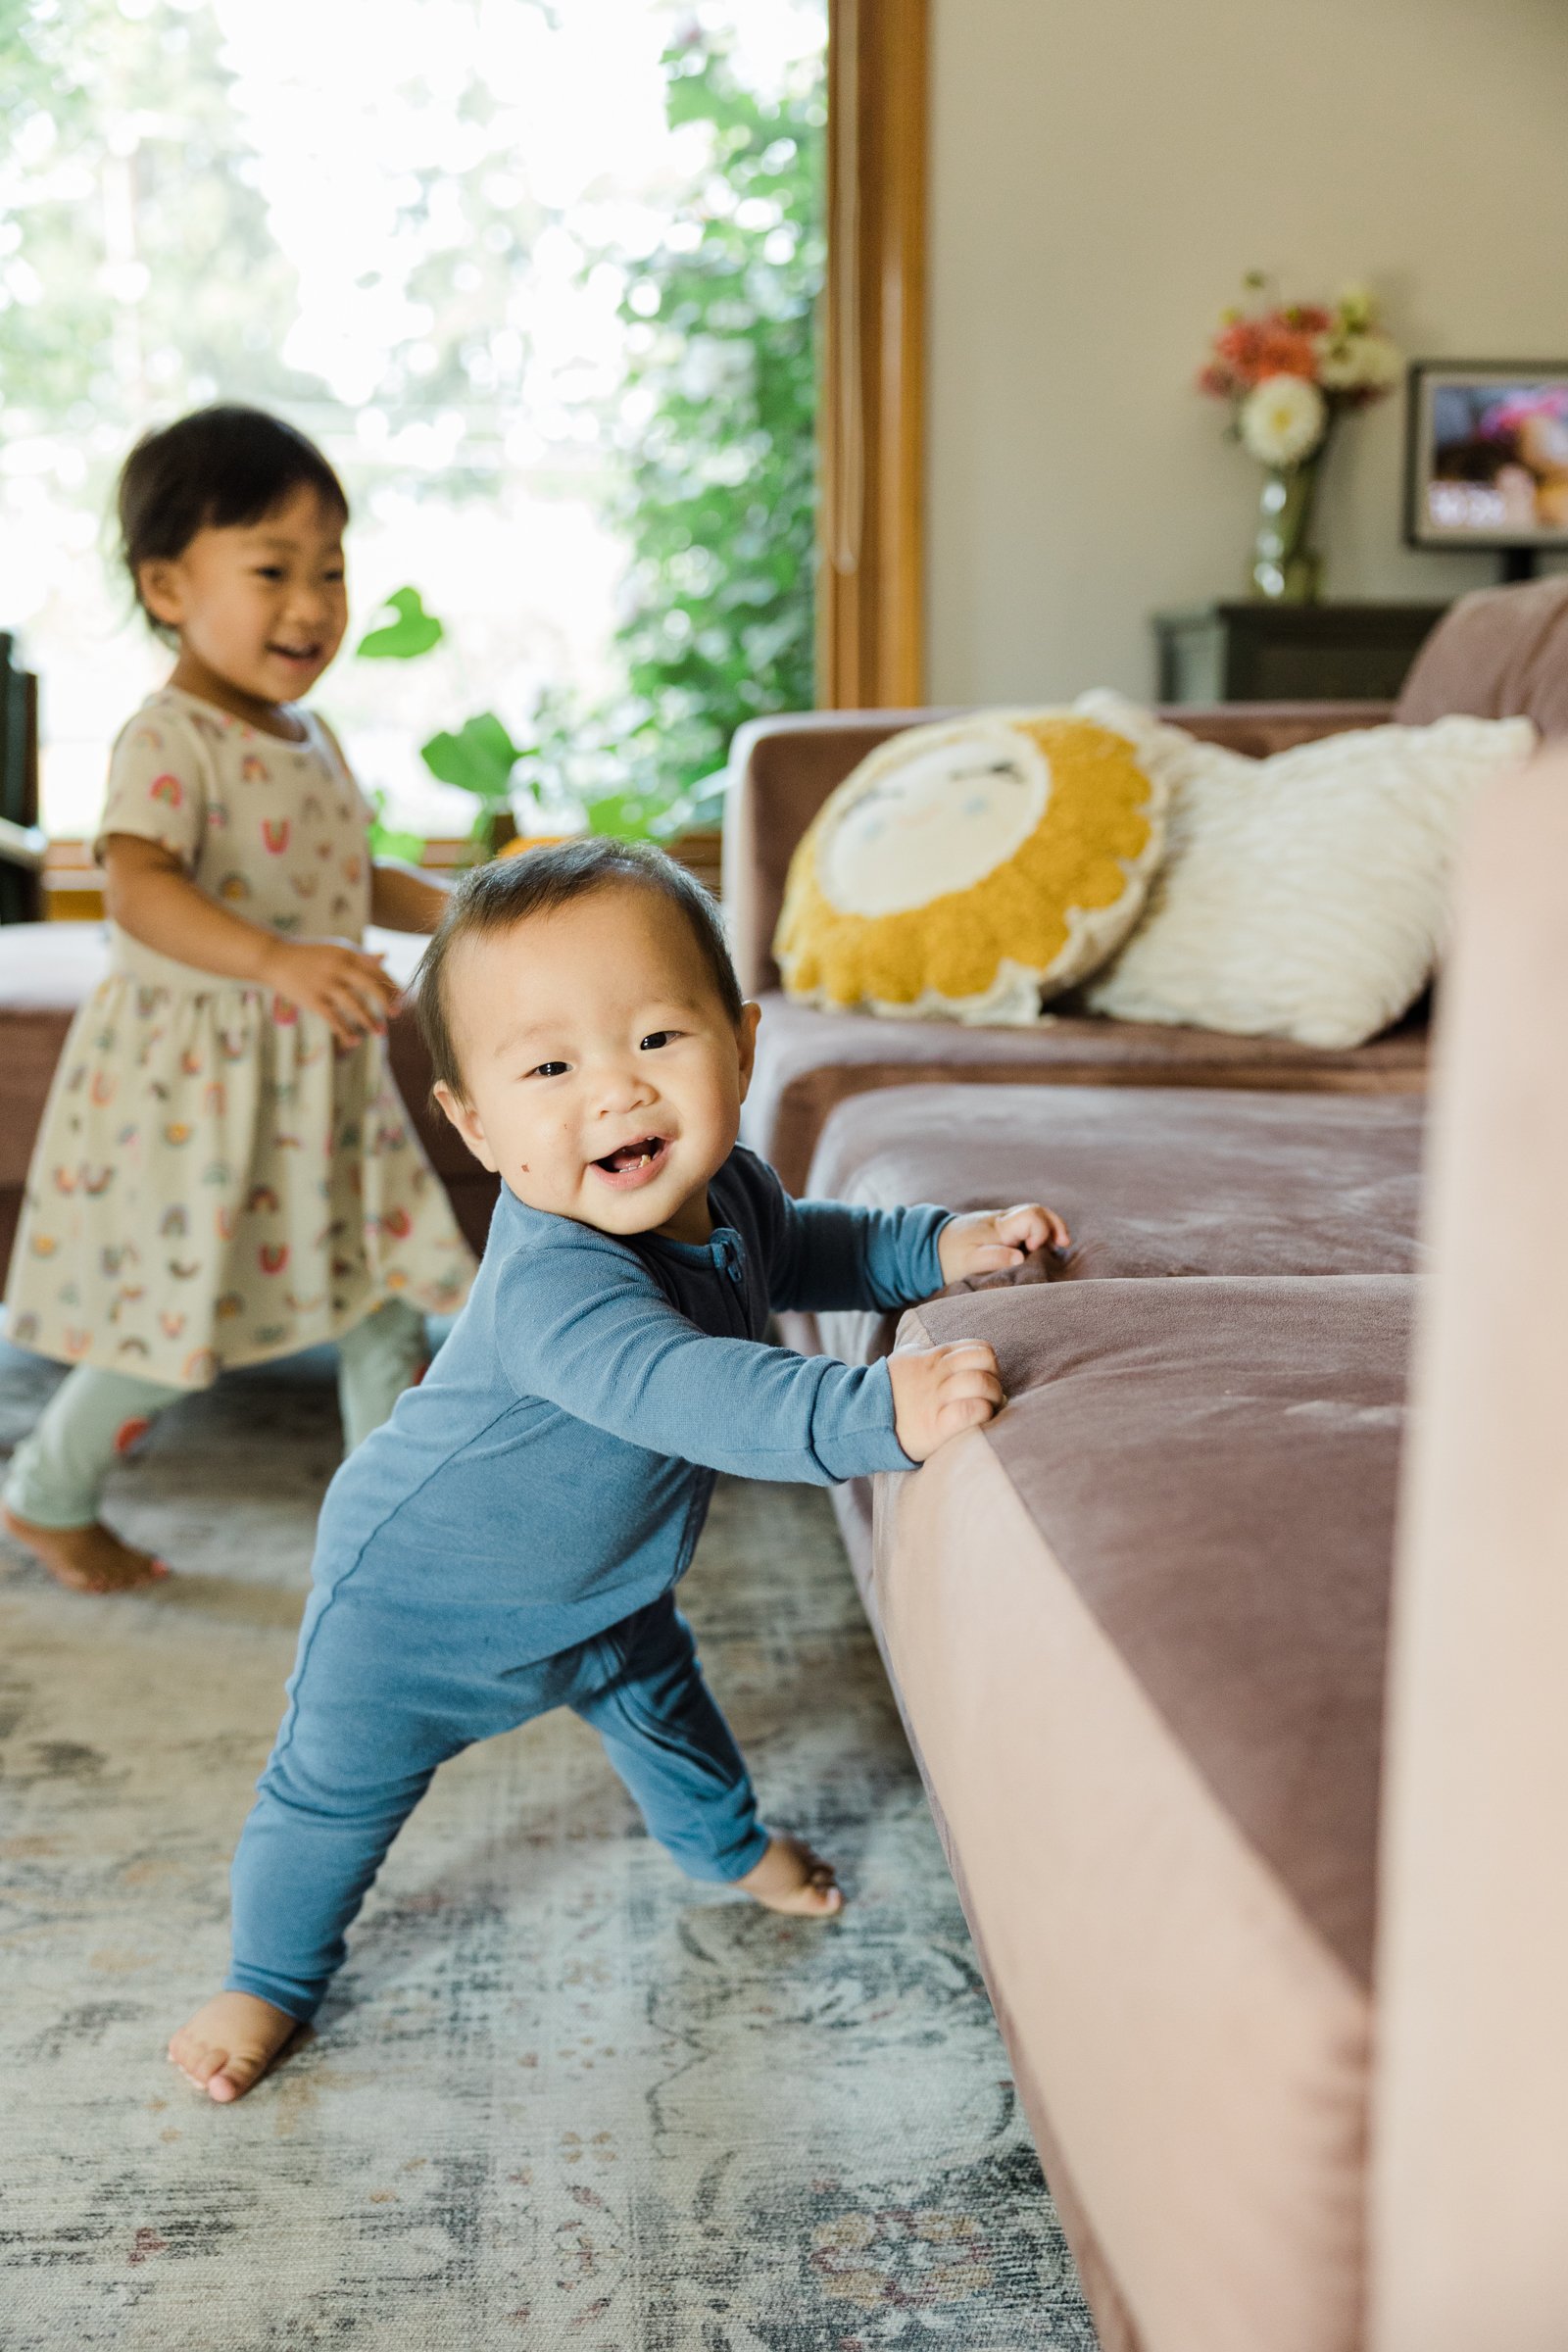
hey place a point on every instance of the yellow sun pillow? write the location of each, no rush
(966, 871)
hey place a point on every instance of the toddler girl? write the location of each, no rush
(226, 1172)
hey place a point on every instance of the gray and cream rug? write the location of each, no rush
(562, 2098)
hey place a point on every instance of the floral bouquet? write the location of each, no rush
(1288, 371)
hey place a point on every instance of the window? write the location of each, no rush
(500, 261)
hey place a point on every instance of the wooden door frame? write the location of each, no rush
(870, 416)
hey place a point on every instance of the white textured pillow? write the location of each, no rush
(1303, 896)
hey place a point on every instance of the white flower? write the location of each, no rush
(1358, 363)
(1283, 420)
(1358, 310)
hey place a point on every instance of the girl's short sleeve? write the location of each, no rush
(157, 785)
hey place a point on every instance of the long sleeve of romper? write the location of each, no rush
(589, 1331)
(826, 1253)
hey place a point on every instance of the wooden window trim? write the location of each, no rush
(870, 416)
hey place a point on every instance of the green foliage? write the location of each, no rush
(481, 759)
(414, 633)
(719, 439)
(130, 171)
(719, 499)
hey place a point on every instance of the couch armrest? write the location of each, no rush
(1470, 2163)
(782, 769)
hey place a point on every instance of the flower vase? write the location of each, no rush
(1286, 568)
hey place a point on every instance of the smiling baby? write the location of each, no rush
(511, 1540)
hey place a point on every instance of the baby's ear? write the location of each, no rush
(465, 1120)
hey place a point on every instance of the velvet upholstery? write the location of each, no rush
(1470, 2190)
(1138, 1630)
(807, 1062)
(1502, 653)
(1154, 1181)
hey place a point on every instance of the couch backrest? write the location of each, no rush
(782, 769)
(1470, 2151)
(1502, 653)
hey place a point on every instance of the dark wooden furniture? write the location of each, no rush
(20, 888)
(1254, 652)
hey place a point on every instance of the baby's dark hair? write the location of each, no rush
(499, 896)
(213, 470)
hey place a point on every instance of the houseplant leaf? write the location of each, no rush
(478, 758)
(415, 630)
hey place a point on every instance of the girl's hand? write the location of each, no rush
(348, 988)
(149, 894)
(937, 1392)
(990, 1240)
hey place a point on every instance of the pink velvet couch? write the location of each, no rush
(1239, 1705)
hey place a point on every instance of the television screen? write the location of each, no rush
(1488, 455)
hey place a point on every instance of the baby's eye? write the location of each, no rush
(549, 1069)
(656, 1038)
(269, 571)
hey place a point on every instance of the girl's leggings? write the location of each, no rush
(382, 1696)
(57, 1474)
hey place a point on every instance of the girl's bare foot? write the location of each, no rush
(89, 1559)
(791, 1878)
(229, 2044)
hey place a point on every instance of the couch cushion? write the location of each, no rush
(809, 1062)
(1304, 896)
(966, 871)
(1153, 1181)
(1138, 1629)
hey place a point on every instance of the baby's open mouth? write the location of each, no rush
(295, 652)
(634, 1164)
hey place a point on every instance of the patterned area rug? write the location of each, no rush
(562, 2098)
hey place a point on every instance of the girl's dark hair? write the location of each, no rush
(497, 896)
(212, 470)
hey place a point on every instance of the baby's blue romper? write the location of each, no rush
(509, 1542)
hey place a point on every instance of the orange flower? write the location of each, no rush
(1249, 349)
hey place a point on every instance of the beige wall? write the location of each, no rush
(1103, 172)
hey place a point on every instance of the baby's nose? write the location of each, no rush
(624, 1089)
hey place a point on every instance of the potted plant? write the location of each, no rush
(549, 788)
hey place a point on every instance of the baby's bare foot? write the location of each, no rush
(229, 2044)
(89, 1559)
(790, 1876)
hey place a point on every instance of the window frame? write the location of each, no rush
(870, 418)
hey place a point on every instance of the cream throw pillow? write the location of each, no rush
(968, 868)
(1303, 896)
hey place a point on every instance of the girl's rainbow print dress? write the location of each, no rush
(215, 1181)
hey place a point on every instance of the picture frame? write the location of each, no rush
(1487, 455)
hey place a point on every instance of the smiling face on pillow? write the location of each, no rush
(966, 870)
(939, 820)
